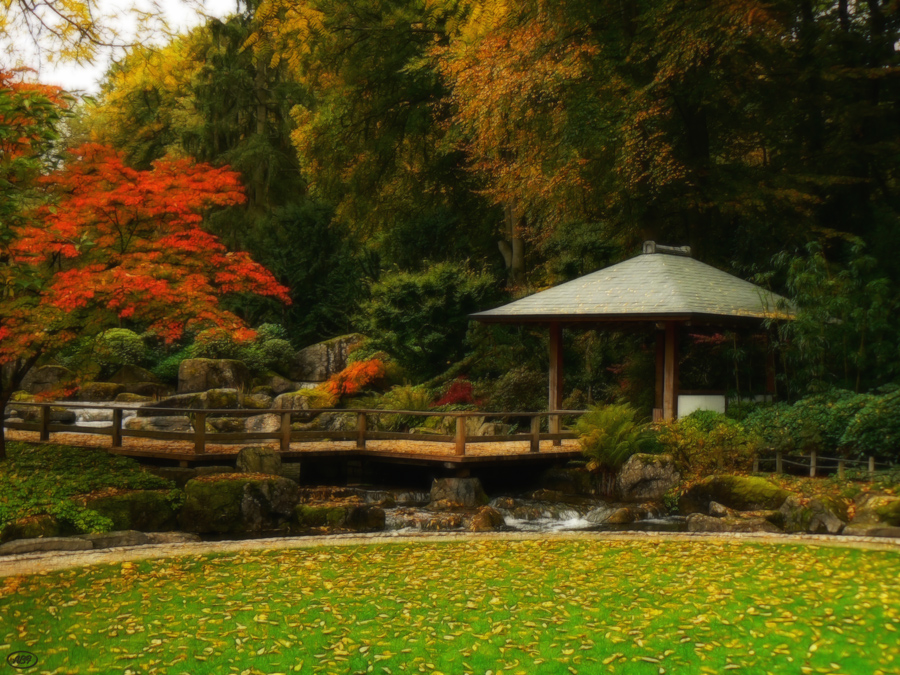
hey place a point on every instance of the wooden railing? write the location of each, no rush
(364, 431)
(818, 464)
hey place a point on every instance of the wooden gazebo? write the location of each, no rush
(663, 286)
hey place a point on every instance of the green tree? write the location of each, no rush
(421, 318)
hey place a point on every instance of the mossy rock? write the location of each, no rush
(99, 391)
(21, 396)
(30, 527)
(574, 480)
(742, 493)
(880, 510)
(219, 399)
(258, 401)
(226, 425)
(890, 513)
(127, 397)
(236, 503)
(259, 460)
(356, 518)
(143, 510)
(133, 375)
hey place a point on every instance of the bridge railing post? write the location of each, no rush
(536, 433)
(460, 435)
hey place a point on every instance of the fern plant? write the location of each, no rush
(609, 435)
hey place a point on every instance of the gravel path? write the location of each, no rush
(37, 563)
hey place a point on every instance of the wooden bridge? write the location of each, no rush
(457, 450)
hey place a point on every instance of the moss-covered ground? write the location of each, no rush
(45, 479)
(500, 606)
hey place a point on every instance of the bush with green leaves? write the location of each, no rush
(875, 429)
(705, 441)
(46, 479)
(610, 434)
(405, 397)
(120, 347)
(518, 390)
(421, 318)
(818, 422)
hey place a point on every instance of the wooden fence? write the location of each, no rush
(818, 464)
(285, 435)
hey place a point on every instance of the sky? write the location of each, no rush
(86, 78)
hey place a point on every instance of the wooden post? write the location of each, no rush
(771, 383)
(841, 469)
(45, 422)
(361, 430)
(779, 467)
(200, 433)
(117, 428)
(536, 433)
(556, 377)
(460, 435)
(755, 463)
(670, 402)
(812, 463)
(285, 439)
(871, 466)
(660, 376)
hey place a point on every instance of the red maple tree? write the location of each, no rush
(114, 245)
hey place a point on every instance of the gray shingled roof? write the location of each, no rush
(657, 285)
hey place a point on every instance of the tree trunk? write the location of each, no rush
(513, 248)
(10, 378)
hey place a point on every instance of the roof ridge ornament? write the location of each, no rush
(651, 247)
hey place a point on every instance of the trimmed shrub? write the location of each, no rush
(875, 430)
(120, 347)
(519, 390)
(705, 441)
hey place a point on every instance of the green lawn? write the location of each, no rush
(558, 606)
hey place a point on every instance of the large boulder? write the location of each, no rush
(699, 522)
(647, 477)
(318, 362)
(144, 510)
(881, 510)
(99, 391)
(457, 492)
(171, 423)
(821, 515)
(133, 375)
(236, 503)
(58, 415)
(264, 424)
(160, 408)
(47, 378)
(742, 493)
(295, 400)
(259, 460)
(488, 519)
(218, 399)
(214, 399)
(331, 517)
(196, 375)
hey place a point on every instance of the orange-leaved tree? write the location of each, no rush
(113, 245)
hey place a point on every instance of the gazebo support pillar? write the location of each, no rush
(670, 375)
(660, 375)
(556, 377)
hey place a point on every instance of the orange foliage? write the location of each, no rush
(125, 245)
(354, 377)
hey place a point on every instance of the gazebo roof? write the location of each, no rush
(662, 283)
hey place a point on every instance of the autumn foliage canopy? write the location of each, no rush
(121, 245)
